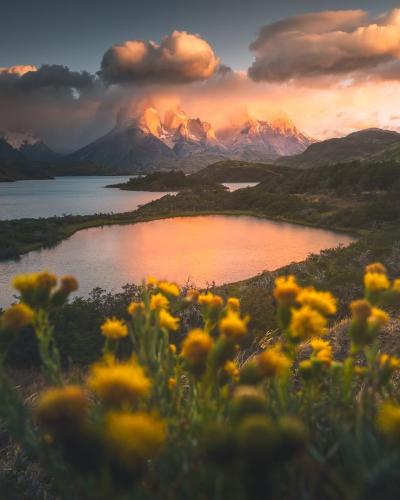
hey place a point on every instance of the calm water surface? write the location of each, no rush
(201, 249)
(68, 195)
(234, 186)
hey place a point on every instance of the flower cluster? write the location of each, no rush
(163, 399)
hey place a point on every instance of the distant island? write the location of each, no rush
(175, 180)
(209, 177)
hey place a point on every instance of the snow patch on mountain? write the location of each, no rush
(18, 139)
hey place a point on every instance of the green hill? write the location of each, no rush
(240, 171)
(356, 146)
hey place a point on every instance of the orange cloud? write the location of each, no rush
(327, 43)
(180, 58)
(17, 70)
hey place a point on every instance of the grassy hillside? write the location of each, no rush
(21, 171)
(356, 146)
(241, 171)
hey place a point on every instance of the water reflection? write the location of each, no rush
(201, 249)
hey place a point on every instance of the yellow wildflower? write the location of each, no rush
(210, 300)
(272, 362)
(114, 329)
(322, 350)
(134, 437)
(136, 308)
(231, 369)
(233, 303)
(172, 383)
(25, 283)
(232, 326)
(325, 356)
(389, 420)
(396, 285)
(391, 362)
(168, 321)
(360, 309)
(286, 290)
(307, 323)
(69, 284)
(118, 383)
(195, 347)
(46, 280)
(17, 317)
(61, 407)
(376, 267)
(151, 281)
(378, 317)
(158, 301)
(172, 348)
(169, 288)
(376, 282)
(320, 345)
(323, 302)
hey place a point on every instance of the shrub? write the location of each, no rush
(178, 418)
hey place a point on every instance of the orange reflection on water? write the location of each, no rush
(201, 249)
(207, 248)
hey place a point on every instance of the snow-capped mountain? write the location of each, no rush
(189, 136)
(132, 145)
(251, 138)
(146, 142)
(27, 146)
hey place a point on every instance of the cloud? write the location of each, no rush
(17, 70)
(31, 78)
(180, 58)
(328, 43)
(56, 102)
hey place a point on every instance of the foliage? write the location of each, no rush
(160, 416)
(175, 180)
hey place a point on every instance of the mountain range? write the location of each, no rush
(146, 142)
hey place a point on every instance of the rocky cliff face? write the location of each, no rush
(146, 141)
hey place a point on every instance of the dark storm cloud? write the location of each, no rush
(180, 58)
(29, 78)
(328, 43)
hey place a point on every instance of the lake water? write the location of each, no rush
(73, 195)
(68, 195)
(200, 249)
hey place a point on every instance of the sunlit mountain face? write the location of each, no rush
(148, 138)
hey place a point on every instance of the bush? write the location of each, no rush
(170, 413)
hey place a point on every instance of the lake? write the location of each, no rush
(200, 249)
(73, 196)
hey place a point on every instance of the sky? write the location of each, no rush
(331, 65)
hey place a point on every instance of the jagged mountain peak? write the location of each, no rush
(142, 140)
(174, 118)
(149, 121)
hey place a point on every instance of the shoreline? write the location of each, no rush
(124, 218)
